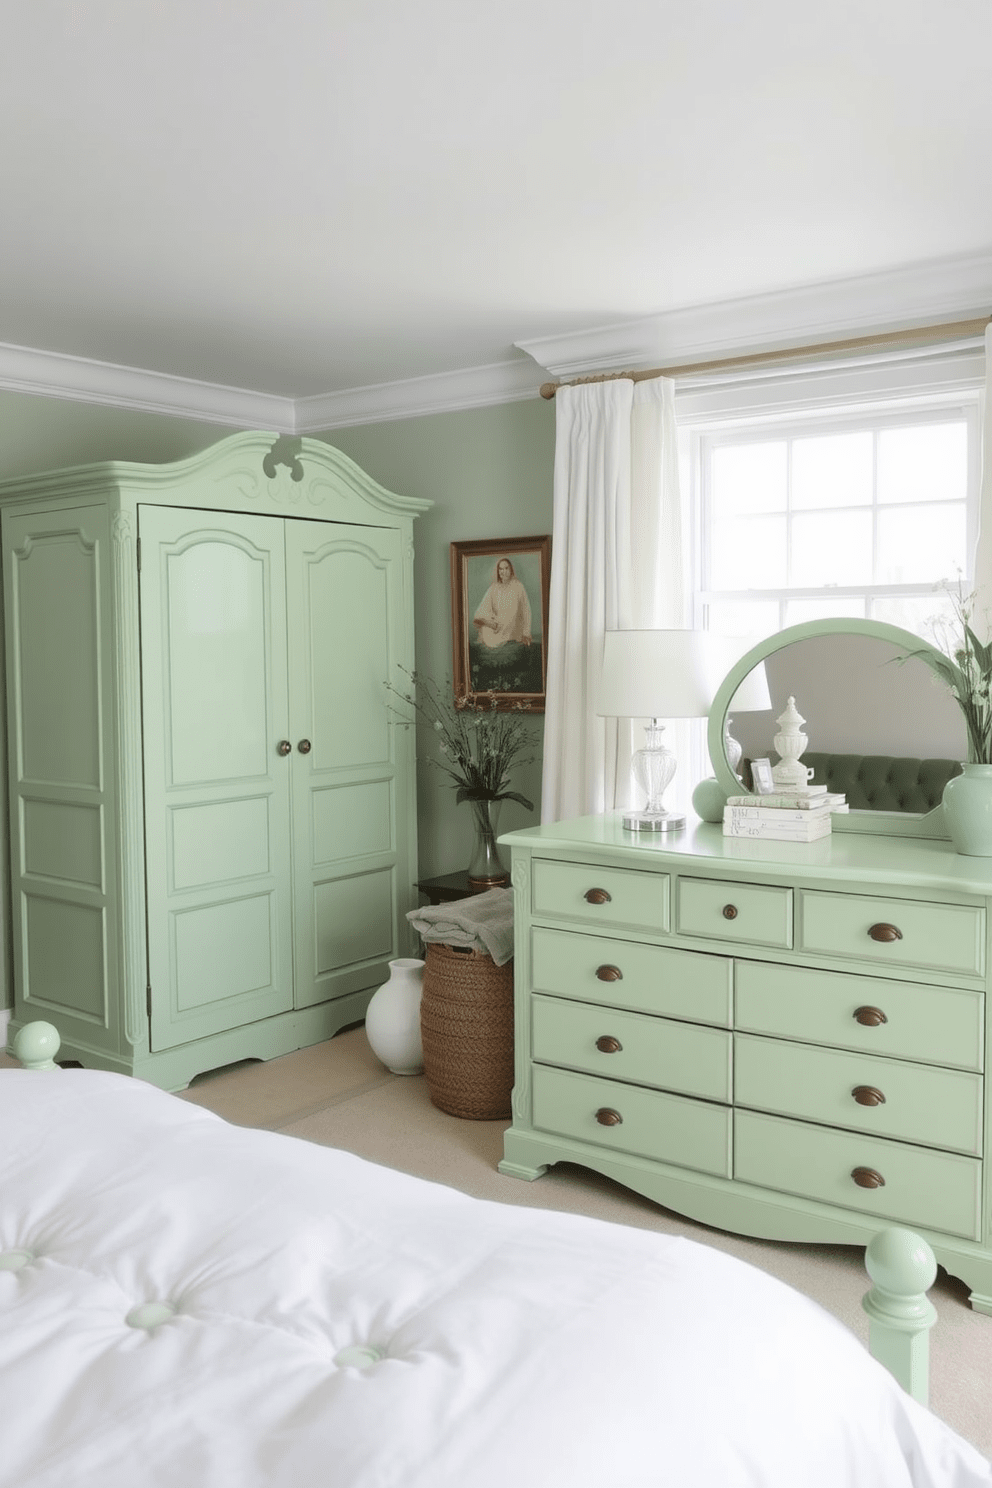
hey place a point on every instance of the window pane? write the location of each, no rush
(748, 478)
(744, 617)
(922, 616)
(921, 544)
(798, 611)
(748, 553)
(832, 470)
(926, 463)
(831, 548)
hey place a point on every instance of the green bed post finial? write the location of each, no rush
(903, 1268)
(36, 1046)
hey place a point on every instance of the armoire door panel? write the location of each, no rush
(224, 951)
(354, 918)
(62, 842)
(220, 842)
(59, 642)
(64, 965)
(217, 790)
(352, 821)
(217, 593)
(347, 596)
(345, 604)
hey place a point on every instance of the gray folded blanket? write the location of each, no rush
(483, 922)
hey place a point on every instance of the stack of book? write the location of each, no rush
(802, 817)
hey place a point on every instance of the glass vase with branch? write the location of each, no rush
(478, 745)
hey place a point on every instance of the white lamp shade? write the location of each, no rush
(752, 696)
(659, 673)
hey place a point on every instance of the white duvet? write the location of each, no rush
(333, 1324)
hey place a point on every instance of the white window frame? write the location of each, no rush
(895, 388)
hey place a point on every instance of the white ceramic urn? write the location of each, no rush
(392, 1023)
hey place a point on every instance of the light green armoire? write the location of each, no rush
(212, 817)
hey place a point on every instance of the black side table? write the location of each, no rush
(446, 888)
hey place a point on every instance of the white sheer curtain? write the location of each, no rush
(618, 562)
(982, 582)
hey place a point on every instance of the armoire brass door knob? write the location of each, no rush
(304, 746)
(284, 747)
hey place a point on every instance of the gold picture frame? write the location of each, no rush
(499, 620)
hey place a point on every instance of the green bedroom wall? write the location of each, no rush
(488, 471)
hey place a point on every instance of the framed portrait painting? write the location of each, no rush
(499, 619)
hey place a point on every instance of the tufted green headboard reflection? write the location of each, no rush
(882, 782)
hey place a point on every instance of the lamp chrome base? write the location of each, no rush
(648, 821)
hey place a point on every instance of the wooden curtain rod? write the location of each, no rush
(954, 330)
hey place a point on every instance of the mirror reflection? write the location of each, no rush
(864, 708)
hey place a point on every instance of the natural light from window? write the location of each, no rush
(802, 523)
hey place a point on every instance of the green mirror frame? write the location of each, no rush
(882, 823)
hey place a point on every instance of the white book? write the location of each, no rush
(784, 832)
(795, 800)
(770, 814)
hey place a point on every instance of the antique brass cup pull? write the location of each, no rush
(607, 1044)
(869, 1017)
(885, 933)
(609, 973)
(606, 1116)
(868, 1178)
(597, 896)
(868, 1095)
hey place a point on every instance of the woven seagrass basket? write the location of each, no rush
(466, 1026)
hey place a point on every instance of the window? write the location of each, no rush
(865, 514)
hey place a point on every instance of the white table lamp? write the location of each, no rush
(658, 674)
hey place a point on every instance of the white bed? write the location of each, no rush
(188, 1304)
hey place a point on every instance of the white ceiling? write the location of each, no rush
(306, 197)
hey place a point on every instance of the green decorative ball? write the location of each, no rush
(709, 799)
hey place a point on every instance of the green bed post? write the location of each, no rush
(902, 1268)
(36, 1046)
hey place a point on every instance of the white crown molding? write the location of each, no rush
(951, 289)
(445, 392)
(49, 374)
(899, 299)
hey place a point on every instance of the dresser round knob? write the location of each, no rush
(730, 911)
(868, 1178)
(606, 1116)
(607, 1044)
(868, 1095)
(609, 973)
(885, 933)
(869, 1017)
(284, 747)
(597, 896)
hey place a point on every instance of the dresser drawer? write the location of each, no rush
(938, 1025)
(620, 897)
(931, 937)
(681, 1057)
(932, 1107)
(750, 914)
(625, 973)
(937, 1190)
(668, 1128)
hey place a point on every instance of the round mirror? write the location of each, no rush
(873, 711)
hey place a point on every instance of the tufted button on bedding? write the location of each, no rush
(15, 1260)
(150, 1315)
(359, 1356)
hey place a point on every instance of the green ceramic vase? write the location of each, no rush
(967, 805)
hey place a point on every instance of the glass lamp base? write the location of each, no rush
(652, 821)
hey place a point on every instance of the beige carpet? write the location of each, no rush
(338, 1094)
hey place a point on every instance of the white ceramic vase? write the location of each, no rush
(392, 1023)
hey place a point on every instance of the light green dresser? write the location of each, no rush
(781, 1039)
(212, 818)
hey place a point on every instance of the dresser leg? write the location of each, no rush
(519, 1170)
(981, 1303)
